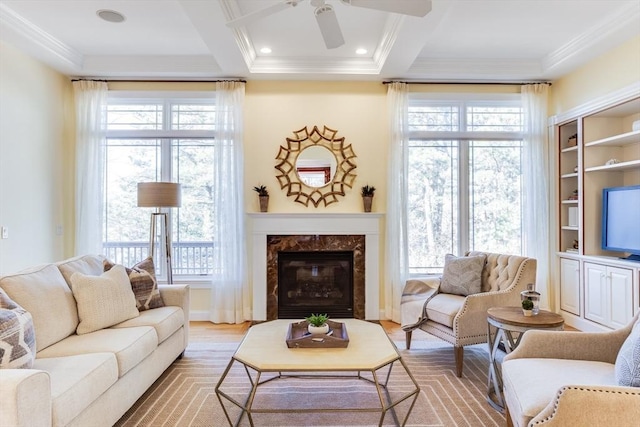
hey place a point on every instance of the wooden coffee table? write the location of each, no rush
(505, 328)
(264, 350)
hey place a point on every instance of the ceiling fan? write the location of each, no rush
(326, 16)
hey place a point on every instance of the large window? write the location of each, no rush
(160, 139)
(465, 166)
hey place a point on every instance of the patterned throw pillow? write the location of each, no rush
(143, 283)
(627, 366)
(462, 276)
(104, 300)
(17, 336)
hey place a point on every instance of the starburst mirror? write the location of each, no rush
(316, 166)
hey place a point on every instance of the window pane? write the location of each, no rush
(193, 221)
(126, 232)
(134, 117)
(495, 196)
(186, 117)
(434, 118)
(494, 119)
(433, 204)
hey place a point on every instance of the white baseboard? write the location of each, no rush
(198, 316)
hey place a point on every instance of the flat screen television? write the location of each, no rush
(621, 220)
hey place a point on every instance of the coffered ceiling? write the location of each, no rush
(458, 40)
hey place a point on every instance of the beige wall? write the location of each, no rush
(611, 71)
(35, 162)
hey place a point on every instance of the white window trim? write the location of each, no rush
(463, 137)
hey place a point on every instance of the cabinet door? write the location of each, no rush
(621, 301)
(595, 293)
(570, 285)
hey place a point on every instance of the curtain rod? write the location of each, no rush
(160, 81)
(466, 83)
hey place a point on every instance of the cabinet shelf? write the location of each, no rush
(570, 175)
(570, 228)
(569, 149)
(570, 202)
(632, 164)
(617, 140)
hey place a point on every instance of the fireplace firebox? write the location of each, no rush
(315, 282)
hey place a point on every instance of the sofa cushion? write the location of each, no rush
(130, 345)
(165, 320)
(17, 337)
(103, 300)
(531, 384)
(143, 283)
(443, 308)
(462, 275)
(91, 265)
(628, 359)
(76, 381)
(43, 292)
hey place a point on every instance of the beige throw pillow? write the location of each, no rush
(143, 283)
(462, 276)
(104, 300)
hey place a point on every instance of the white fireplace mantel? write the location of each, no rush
(262, 225)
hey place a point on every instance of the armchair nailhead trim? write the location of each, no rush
(563, 389)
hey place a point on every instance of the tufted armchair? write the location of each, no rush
(462, 320)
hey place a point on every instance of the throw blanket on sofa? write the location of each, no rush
(413, 303)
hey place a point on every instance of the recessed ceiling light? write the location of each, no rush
(361, 51)
(110, 15)
(265, 50)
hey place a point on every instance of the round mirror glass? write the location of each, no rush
(316, 166)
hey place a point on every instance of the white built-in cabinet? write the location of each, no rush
(570, 285)
(608, 294)
(595, 289)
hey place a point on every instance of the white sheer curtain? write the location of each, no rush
(90, 106)
(536, 172)
(229, 293)
(396, 246)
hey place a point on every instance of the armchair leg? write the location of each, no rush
(408, 339)
(459, 356)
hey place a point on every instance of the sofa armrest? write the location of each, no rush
(25, 398)
(180, 296)
(576, 405)
(595, 346)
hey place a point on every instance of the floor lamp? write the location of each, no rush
(160, 195)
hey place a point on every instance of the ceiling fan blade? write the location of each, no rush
(262, 13)
(404, 7)
(329, 26)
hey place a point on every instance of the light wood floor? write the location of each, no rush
(229, 333)
(205, 331)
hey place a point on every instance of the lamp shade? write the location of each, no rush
(159, 195)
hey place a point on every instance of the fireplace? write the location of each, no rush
(315, 282)
(290, 232)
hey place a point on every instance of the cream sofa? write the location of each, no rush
(569, 379)
(90, 379)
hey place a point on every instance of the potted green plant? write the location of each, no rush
(318, 324)
(263, 196)
(527, 307)
(367, 193)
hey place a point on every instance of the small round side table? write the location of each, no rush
(505, 328)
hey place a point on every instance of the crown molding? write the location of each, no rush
(39, 39)
(584, 43)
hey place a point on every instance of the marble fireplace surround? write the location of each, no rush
(263, 225)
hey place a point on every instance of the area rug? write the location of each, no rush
(185, 394)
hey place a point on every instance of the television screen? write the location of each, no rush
(621, 219)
